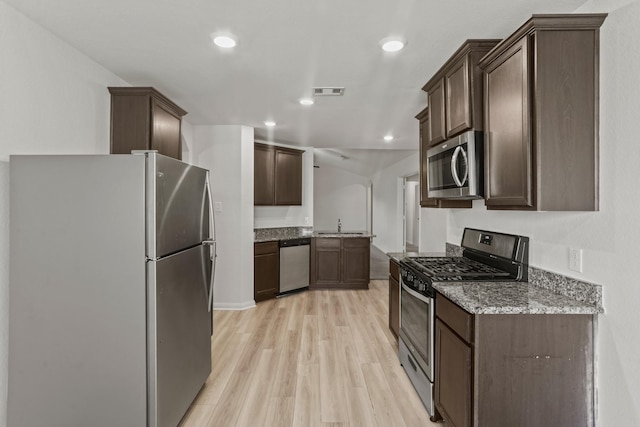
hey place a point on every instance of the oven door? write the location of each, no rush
(417, 318)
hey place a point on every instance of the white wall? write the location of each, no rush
(410, 213)
(227, 151)
(610, 238)
(387, 211)
(340, 194)
(290, 216)
(53, 99)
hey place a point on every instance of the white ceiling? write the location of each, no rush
(363, 162)
(286, 47)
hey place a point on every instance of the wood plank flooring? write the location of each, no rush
(317, 358)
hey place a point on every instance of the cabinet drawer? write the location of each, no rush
(262, 248)
(394, 270)
(328, 242)
(355, 242)
(456, 318)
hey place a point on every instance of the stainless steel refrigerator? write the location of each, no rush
(112, 260)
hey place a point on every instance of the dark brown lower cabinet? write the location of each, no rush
(453, 388)
(355, 262)
(339, 262)
(266, 270)
(525, 370)
(325, 262)
(394, 297)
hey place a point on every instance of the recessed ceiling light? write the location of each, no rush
(306, 101)
(392, 44)
(388, 138)
(226, 41)
(270, 123)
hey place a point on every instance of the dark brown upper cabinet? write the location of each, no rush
(541, 115)
(454, 93)
(436, 114)
(288, 169)
(277, 176)
(425, 200)
(144, 119)
(264, 174)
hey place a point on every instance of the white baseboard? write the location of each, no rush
(234, 305)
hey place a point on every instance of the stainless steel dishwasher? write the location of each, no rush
(294, 264)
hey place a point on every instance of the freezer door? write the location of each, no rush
(179, 333)
(177, 205)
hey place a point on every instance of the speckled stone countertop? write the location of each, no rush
(511, 298)
(397, 256)
(285, 233)
(281, 233)
(321, 234)
(545, 293)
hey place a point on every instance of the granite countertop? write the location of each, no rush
(321, 234)
(288, 233)
(397, 256)
(511, 298)
(277, 239)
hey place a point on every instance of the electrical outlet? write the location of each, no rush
(217, 206)
(575, 259)
(306, 220)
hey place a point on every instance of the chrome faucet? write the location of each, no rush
(339, 225)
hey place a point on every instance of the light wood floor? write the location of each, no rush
(317, 358)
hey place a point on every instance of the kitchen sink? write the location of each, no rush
(339, 232)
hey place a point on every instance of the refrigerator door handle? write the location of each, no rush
(213, 251)
(213, 255)
(213, 276)
(212, 218)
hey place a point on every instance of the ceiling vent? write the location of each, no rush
(328, 91)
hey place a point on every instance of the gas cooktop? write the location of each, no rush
(454, 266)
(487, 256)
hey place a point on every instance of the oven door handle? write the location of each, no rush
(415, 294)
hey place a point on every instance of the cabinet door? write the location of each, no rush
(425, 201)
(355, 262)
(458, 100)
(130, 125)
(453, 377)
(436, 125)
(266, 275)
(326, 263)
(165, 131)
(263, 175)
(394, 306)
(288, 178)
(508, 142)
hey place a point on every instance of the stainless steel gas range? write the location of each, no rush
(487, 256)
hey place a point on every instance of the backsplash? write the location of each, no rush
(567, 286)
(562, 285)
(453, 250)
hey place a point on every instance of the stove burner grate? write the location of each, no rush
(455, 266)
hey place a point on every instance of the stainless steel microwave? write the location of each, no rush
(455, 168)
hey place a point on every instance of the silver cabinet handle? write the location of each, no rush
(454, 162)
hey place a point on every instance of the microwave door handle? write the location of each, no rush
(454, 169)
(466, 165)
